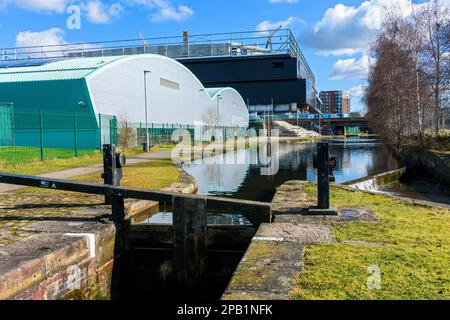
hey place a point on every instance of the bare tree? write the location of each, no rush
(211, 117)
(391, 94)
(435, 19)
(126, 135)
(410, 79)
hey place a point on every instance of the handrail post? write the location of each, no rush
(100, 130)
(75, 133)
(41, 134)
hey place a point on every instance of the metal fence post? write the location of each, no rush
(41, 134)
(100, 131)
(113, 136)
(75, 133)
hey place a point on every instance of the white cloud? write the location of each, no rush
(51, 42)
(350, 68)
(98, 12)
(53, 36)
(164, 10)
(348, 30)
(167, 12)
(358, 91)
(37, 5)
(283, 1)
(268, 25)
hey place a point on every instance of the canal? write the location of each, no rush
(238, 174)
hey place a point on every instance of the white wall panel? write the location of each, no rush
(118, 89)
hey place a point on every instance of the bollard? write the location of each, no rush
(113, 164)
(325, 167)
(323, 176)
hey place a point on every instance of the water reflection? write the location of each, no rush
(238, 174)
(213, 219)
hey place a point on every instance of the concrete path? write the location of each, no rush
(81, 171)
(280, 245)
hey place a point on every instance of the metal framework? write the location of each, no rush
(249, 43)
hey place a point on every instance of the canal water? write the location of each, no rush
(239, 174)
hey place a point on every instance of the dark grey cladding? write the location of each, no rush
(259, 79)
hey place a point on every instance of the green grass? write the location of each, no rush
(414, 262)
(12, 155)
(430, 141)
(153, 175)
(162, 147)
(53, 165)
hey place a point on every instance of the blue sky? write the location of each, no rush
(335, 35)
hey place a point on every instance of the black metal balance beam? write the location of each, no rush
(256, 212)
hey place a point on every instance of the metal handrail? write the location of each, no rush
(250, 41)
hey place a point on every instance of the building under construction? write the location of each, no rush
(267, 68)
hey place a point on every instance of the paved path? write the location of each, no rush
(81, 171)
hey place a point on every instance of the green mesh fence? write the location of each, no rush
(161, 134)
(33, 135)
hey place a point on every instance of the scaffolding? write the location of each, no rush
(250, 43)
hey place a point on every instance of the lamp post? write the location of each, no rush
(147, 139)
(320, 123)
(219, 97)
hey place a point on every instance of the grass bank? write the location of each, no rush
(54, 165)
(410, 244)
(153, 175)
(430, 141)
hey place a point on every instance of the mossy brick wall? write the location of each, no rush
(433, 163)
(70, 270)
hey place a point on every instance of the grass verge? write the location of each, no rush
(53, 165)
(153, 175)
(410, 244)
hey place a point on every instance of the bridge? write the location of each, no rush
(336, 125)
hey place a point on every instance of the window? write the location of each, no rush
(169, 84)
(277, 64)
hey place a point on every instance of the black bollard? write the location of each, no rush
(324, 168)
(323, 176)
(113, 164)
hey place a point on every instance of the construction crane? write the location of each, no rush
(141, 37)
(269, 39)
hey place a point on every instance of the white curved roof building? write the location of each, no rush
(116, 86)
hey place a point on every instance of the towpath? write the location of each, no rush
(86, 170)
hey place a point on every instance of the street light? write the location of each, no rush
(219, 97)
(147, 139)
